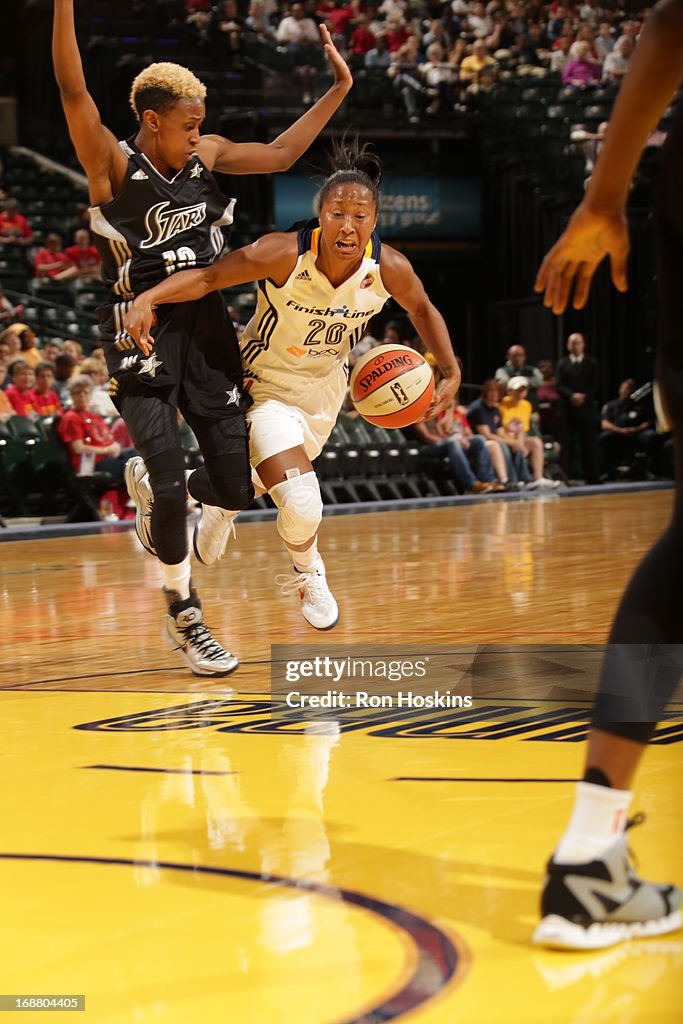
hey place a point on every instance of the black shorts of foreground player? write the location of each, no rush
(156, 208)
(318, 289)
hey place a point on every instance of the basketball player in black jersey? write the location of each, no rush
(156, 209)
(591, 897)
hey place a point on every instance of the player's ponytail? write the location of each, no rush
(352, 163)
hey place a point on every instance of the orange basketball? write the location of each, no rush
(392, 386)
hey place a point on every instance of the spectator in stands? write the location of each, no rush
(6, 407)
(8, 311)
(27, 346)
(397, 30)
(198, 20)
(378, 58)
(580, 72)
(52, 263)
(560, 56)
(440, 76)
(300, 38)
(586, 34)
(65, 369)
(629, 30)
(485, 418)
(516, 412)
(604, 43)
(627, 427)
(258, 22)
(407, 78)
(453, 422)
(534, 47)
(516, 366)
(617, 62)
(577, 383)
(479, 61)
(557, 22)
(86, 433)
(11, 337)
(84, 255)
(19, 391)
(45, 401)
(454, 448)
(51, 349)
(437, 33)
(548, 398)
(590, 143)
(229, 26)
(73, 348)
(5, 353)
(362, 38)
(79, 220)
(14, 228)
(100, 402)
(479, 23)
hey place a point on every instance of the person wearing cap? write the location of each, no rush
(515, 410)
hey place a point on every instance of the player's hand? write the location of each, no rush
(340, 69)
(139, 321)
(589, 237)
(446, 391)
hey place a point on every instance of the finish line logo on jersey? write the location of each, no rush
(349, 314)
(163, 224)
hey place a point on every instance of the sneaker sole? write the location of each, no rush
(193, 668)
(555, 932)
(132, 488)
(322, 629)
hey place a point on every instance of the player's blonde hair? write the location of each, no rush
(161, 85)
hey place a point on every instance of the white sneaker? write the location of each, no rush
(318, 606)
(549, 484)
(211, 533)
(186, 633)
(138, 486)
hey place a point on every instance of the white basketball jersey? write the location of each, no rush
(301, 334)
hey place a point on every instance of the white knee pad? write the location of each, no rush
(301, 507)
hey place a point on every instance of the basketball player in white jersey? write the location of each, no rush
(318, 289)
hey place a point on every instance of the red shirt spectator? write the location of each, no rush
(396, 37)
(53, 262)
(88, 427)
(13, 225)
(362, 40)
(19, 391)
(339, 18)
(84, 255)
(45, 400)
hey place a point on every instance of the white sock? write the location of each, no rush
(306, 561)
(177, 577)
(598, 818)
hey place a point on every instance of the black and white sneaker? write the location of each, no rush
(603, 902)
(186, 633)
(138, 486)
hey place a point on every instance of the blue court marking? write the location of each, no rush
(437, 961)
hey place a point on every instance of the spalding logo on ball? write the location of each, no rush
(392, 386)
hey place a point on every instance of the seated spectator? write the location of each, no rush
(258, 23)
(437, 34)
(560, 55)
(617, 62)
(10, 336)
(73, 348)
(604, 42)
(435, 444)
(100, 402)
(581, 72)
(8, 311)
(90, 442)
(441, 76)
(406, 75)
(548, 398)
(19, 391)
(453, 423)
(516, 426)
(65, 368)
(52, 263)
(51, 349)
(479, 23)
(362, 39)
(5, 353)
(479, 61)
(586, 34)
(626, 426)
(84, 255)
(228, 26)
(27, 346)
(301, 38)
(379, 57)
(533, 47)
(45, 400)
(516, 366)
(14, 228)
(6, 407)
(398, 32)
(198, 19)
(485, 418)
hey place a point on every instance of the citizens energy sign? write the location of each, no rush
(416, 207)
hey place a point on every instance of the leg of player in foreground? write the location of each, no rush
(592, 898)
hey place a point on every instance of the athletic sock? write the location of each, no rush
(177, 577)
(598, 818)
(306, 561)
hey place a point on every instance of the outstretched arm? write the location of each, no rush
(220, 154)
(96, 147)
(272, 256)
(405, 286)
(598, 226)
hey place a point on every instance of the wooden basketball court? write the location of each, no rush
(174, 853)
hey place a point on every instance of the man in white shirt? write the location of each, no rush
(617, 62)
(301, 38)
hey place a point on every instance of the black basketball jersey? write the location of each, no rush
(156, 226)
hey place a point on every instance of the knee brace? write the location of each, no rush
(300, 506)
(167, 479)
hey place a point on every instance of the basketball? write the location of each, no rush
(392, 386)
